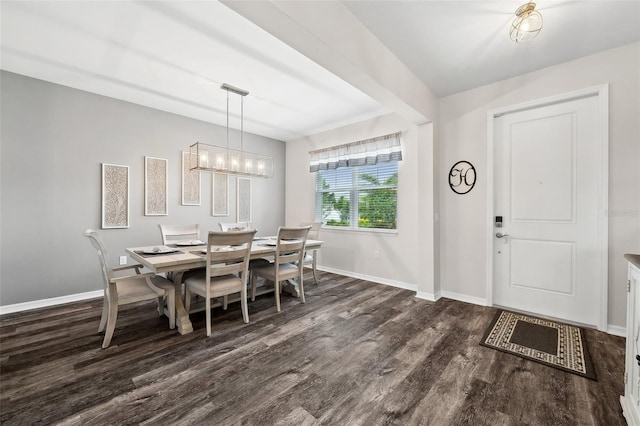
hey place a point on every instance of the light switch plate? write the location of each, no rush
(123, 260)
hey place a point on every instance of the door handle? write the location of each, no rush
(501, 235)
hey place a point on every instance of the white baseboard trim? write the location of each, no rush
(427, 296)
(392, 283)
(43, 303)
(616, 330)
(463, 298)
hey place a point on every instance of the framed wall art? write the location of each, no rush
(243, 209)
(115, 196)
(219, 194)
(190, 183)
(155, 186)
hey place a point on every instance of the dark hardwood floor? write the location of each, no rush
(356, 353)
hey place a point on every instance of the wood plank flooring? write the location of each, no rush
(357, 353)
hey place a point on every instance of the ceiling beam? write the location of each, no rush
(329, 34)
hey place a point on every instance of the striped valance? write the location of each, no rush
(381, 149)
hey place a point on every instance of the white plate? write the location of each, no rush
(218, 248)
(191, 243)
(159, 250)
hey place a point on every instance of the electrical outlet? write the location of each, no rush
(376, 254)
(123, 260)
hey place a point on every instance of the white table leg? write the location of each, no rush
(291, 287)
(182, 316)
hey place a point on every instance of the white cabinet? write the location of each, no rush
(631, 400)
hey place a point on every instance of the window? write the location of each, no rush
(358, 197)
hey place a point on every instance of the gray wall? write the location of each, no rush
(53, 140)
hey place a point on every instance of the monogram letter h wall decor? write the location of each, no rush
(462, 177)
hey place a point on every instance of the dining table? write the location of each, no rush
(177, 258)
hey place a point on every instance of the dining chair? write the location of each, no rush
(238, 226)
(226, 271)
(123, 290)
(241, 226)
(310, 259)
(287, 263)
(172, 234)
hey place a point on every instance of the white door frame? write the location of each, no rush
(602, 93)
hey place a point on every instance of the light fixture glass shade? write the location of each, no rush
(527, 23)
(211, 158)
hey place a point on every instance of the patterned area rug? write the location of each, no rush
(548, 342)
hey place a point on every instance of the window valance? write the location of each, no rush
(381, 149)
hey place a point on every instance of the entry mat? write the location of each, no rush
(548, 342)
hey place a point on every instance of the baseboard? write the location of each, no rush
(463, 298)
(392, 283)
(616, 330)
(427, 296)
(43, 303)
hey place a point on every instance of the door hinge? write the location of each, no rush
(628, 286)
(625, 377)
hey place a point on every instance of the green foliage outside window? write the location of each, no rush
(359, 197)
(377, 208)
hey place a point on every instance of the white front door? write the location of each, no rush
(546, 191)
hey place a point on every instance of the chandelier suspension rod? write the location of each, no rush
(218, 159)
(227, 119)
(241, 123)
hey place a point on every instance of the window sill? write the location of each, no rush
(359, 230)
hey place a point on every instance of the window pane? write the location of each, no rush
(336, 207)
(365, 194)
(381, 175)
(377, 208)
(336, 179)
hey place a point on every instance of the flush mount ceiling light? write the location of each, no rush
(212, 158)
(527, 23)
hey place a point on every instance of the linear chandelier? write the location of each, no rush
(212, 158)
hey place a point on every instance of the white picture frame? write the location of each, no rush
(156, 183)
(191, 183)
(243, 199)
(219, 194)
(115, 196)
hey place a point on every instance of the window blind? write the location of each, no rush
(358, 197)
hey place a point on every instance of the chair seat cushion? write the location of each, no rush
(135, 290)
(287, 271)
(220, 286)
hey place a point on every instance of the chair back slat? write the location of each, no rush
(228, 252)
(290, 244)
(176, 233)
(288, 257)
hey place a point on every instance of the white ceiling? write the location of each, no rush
(174, 55)
(453, 46)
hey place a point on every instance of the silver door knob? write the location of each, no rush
(501, 235)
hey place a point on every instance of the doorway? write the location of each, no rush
(547, 200)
